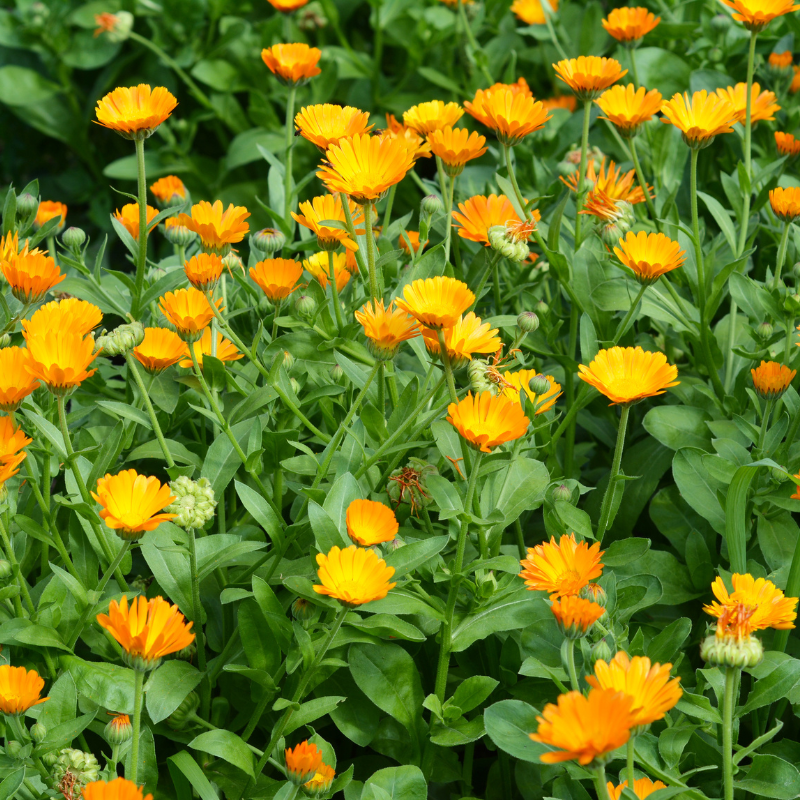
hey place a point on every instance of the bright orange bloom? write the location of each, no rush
(487, 421)
(532, 11)
(386, 328)
(771, 380)
(48, 209)
(413, 238)
(31, 275)
(699, 118)
(226, 350)
(432, 116)
(12, 442)
(303, 762)
(456, 146)
(416, 144)
(787, 145)
(588, 76)
(780, 60)
(566, 101)
(287, 6)
(118, 789)
(204, 271)
(159, 350)
(293, 64)
(189, 311)
(649, 255)
(217, 229)
(135, 112)
(329, 207)
(762, 104)
(326, 124)
(521, 381)
(771, 609)
(575, 615)
(353, 576)
(630, 24)
(168, 189)
(480, 213)
(755, 15)
(734, 624)
(370, 523)
(148, 630)
(561, 568)
(627, 109)
(611, 183)
(105, 22)
(73, 315)
(642, 788)
(61, 360)
(132, 502)
(436, 302)
(277, 277)
(129, 218)
(785, 202)
(627, 375)
(509, 112)
(20, 689)
(322, 781)
(319, 266)
(468, 336)
(16, 382)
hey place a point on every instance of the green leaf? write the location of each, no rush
(408, 558)
(312, 710)
(625, 551)
(20, 86)
(107, 685)
(699, 707)
(11, 784)
(773, 687)
(508, 724)
(261, 511)
(770, 776)
(227, 746)
(182, 765)
(736, 523)
(679, 426)
(667, 644)
(126, 411)
(399, 783)
(168, 687)
(722, 218)
(446, 497)
(473, 692)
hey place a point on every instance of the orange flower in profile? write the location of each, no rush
(642, 788)
(611, 183)
(326, 124)
(487, 421)
(649, 255)
(292, 64)
(61, 360)
(135, 112)
(277, 277)
(303, 762)
(386, 328)
(521, 381)
(12, 442)
(31, 275)
(160, 349)
(353, 576)
(480, 213)
(456, 146)
(413, 239)
(318, 265)
(432, 116)
(755, 15)
(762, 104)
(132, 502)
(468, 336)
(630, 24)
(532, 11)
(566, 101)
(322, 781)
(436, 302)
(73, 315)
(416, 144)
(561, 568)
(370, 523)
(785, 202)
(147, 631)
(626, 375)
(226, 350)
(169, 189)
(629, 109)
(324, 208)
(129, 218)
(287, 6)
(781, 61)
(16, 382)
(588, 76)
(20, 689)
(510, 113)
(769, 606)
(189, 311)
(787, 144)
(218, 229)
(771, 380)
(699, 118)
(575, 615)
(204, 271)
(48, 209)
(118, 789)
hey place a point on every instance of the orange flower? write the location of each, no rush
(575, 615)
(432, 116)
(303, 762)
(159, 350)
(566, 101)
(118, 789)
(787, 145)
(532, 11)
(562, 568)
(642, 788)
(277, 277)
(630, 24)
(762, 104)
(480, 213)
(204, 271)
(771, 380)
(509, 112)
(287, 6)
(370, 523)
(20, 689)
(129, 218)
(293, 64)
(48, 209)
(416, 144)
(413, 238)
(467, 337)
(31, 275)
(627, 109)
(770, 608)
(588, 76)
(318, 265)
(61, 360)
(136, 112)
(649, 256)
(326, 124)
(700, 118)
(386, 328)
(321, 783)
(755, 15)
(217, 229)
(353, 576)
(521, 381)
(612, 184)
(329, 207)
(436, 302)
(105, 22)
(456, 146)
(781, 60)
(226, 350)
(16, 382)
(12, 442)
(785, 202)
(73, 315)
(169, 189)
(487, 421)
(189, 311)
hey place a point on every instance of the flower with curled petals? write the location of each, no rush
(486, 421)
(455, 147)
(469, 335)
(787, 144)
(292, 64)
(16, 382)
(477, 215)
(20, 689)
(49, 209)
(520, 381)
(755, 15)
(302, 762)
(277, 277)
(12, 442)
(226, 350)
(626, 375)
(71, 314)
(649, 255)
(31, 275)
(327, 124)
(612, 183)
(135, 112)
(770, 607)
(217, 228)
(700, 118)
(370, 523)
(532, 12)
(417, 145)
(321, 783)
(204, 271)
(386, 328)
(328, 207)
(319, 266)
(771, 380)
(642, 788)
(189, 311)
(780, 61)
(169, 189)
(436, 302)
(432, 116)
(128, 217)
(762, 104)
(61, 360)
(588, 76)
(785, 203)
(160, 349)
(353, 576)
(575, 615)
(561, 568)
(510, 113)
(118, 789)
(628, 109)
(629, 25)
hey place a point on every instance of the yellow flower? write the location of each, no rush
(469, 335)
(48, 209)
(353, 576)
(118, 789)
(129, 218)
(16, 382)
(431, 116)
(31, 275)
(771, 609)
(73, 315)
(532, 11)
(159, 350)
(480, 213)
(370, 523)
(135, 112)
(324, 208)
(226, 350)
(217, 229)
(787, 145)
(293, 64)
(755, 15)
(627, 375)
(436, 302)
(277, 277)
(588, 76)
(61, 360)
(642, 788)
(561, 568)
(487, 421)
(649, 256)
(189, 311)
(386, 328)
(456, 146)
(319, 266)
(521, 381)
(303, 762)
(699, 118)
(416, 144)
(575, 615)
(762, 104)
(169, 189)
(326, 124)
(509, 112)
(629, 109)
(204, 271)
(785, 202)
(20, 689)
(630, 24)
(771, 380)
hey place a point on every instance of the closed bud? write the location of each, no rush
(601, 651)
(539, 385)
(721, 22)
(716, 54)
(49, 759)
(295, 385)
(394, 544)
(487, 585)
(527, 322)
(188, 653)
(268, 240)
(288, 360)
(121, 340)
(731, 652)
(779, 474)
(38, 732)
(27, 205)
(431, 205)
(123, 25)
(511, 249)
(6, 570)
(73, 238)
(337, 374)
(119, 729)
(302, 610)
(305, 305)
(232, 262)
(796, 270)
(596, 593)
(13, 749)
(194, 502)
(184, 713)
(179, 236)
(764, 331)
(5, 340)
(542, 308)
(561, 492)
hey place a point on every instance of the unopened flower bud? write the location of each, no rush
(431, 205)
(179, 236)
(119, 729)
(561, 492)
(732, 652)
(27, 205)
(38, 732)
(123, 25)
(6, 570)
(13, 749)
(295, 385)
(527, 322)
(183, 714)
(5, 340)
(188, 653)
(779, 474)
(302, 610)
(764, 330)
(73, 238)
(194, 502)
(394, 544)
(620, 225)
(721, 22)
(539, 385)
(487, 585)
(288, 360)
(121, 340)
(49, 759)
(337, 374)
(232, 262)
(305, 305)
(542, 308)
(601, 651)
(268, 240)
(716, 54)
(478, 374)
(502, 243)
(796, 270)
(594, 592)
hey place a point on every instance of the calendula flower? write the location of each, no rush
(218, 229)
(649, 255)
(414, 143)
(479, 214)
(771, 608)
(627, 375)
(319, 266)
(118, 789)
(432, 116)
(160, 349)
(413, 239)
(128, 216)
(612, 183)
(293, 64)
(329, 207)
(386, 328)
(135, 112)
(629, 109)
(455, 147)
(365, 167)
(204, 271)
(699, 118)
(629, 25)
(12, 442)
(561, 568)
(226, 350)
(588, 76)
(303, 762)
(575, 615)
(642, 788)
(147, 631)
(353, 576)
(326, 124)
(509, 112)
(370, 523)
(785, 202)
(787, 144)
(468, 336)
(61, 360)
(20, 689)
(31, 275)
(532, 11)
(566, 101)
(49, 209)
(780, 61)
(755, 15)
(771, 380)
(794, 86)
(277, 277)
(16, 382)
(762, 104)
(189, 311)
(69, 315)
(322, 781)
(169, 189)
(436, 302)
(487, 421)
(287, 6)
(520, 381)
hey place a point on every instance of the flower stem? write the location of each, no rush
(150, 410)
(487, 270)
(512, 176)
(573, 674)
(373, 278)
(138, 696)
(608, 497)
(727, 732)
(337, 308)
(197, 618)
(782, 252)
(624, 324)
(765, 423)
(748, 138)
(600, 782)
(474, 44)
(275, 316)
(141, 259)
(640, 177)
(351, 230)
(629, 758)
(496, 287)
(287, 179)
(387, 214)
(587, 120)
(553, 38)
(448, 213)
(448, 367)
(18, 576)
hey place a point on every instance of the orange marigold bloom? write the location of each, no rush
(61, 360)
(147, 631)
(217, 229)
(169, 189)
(129, 218)
(771, 380)
(432, 116)
(785, 202)
(468, 336)
(699, 118)
(521, 381)
(370, 523)
(456, 146)
(629, 109)
(611, 183)
(16, 382)
(277, 277)
(118, 789)
(487, 421)
(771, 609)
(20, 689)
(131, 503)
(575, 615)
(287, 6)
(226, 350)
(386, 328)
(561, 568)
(135, 112)
(329, 207)
(319, 266)
(642, 788)
(762, 104)
(649, 255)
(160, 349)
(353, 576)
(588, 76)
(326, 124)
(630, 24)
(787, 144)
(12, 442)
(416, 144)
(293, 64)
(567, 101)
(73, 315)
(480, 213)
(48, 209)
(189, 311)
(532, 11)
(436, 302)
(755, 15)
(781, 60)
(509, 112)
(204, 271)
(31, 275)
(413, 238)
(303, 762)
(322, 781)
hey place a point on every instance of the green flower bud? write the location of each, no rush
(539, 385)
(119, 729)
(394, 544)
(527, 322)
(194, 502)
(796, 269)
(716, 54)
(5, 340)
(38, 732)
(779, 474)
(27, 206)
(562, 492)
(72, 771)
(601, 651)
(73, 238)
(730, 652)
(503, 243)
(268, 241)
(337, 375)
(232, 262)
(49, 759)
(305, 305)
(431, 205)
(612, 232)
(487, 585)
(302, 610)
(179, 236)
(6, 570)
(123, 25)
(721, 22)
(288, 360)
(13, 749)
(595, 593)
(295, 385)
(183, 714)
(188, 653)
(542, 308)
(764, 331)
(121, 340)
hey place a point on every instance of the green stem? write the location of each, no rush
(496, 287)
(373, 278)
(748, 138)
(337, 308)
(351, 230)
(18, 576)
(572, 342)
(640, 177)
(727, 732)
(138, 696)
(624, 324)
(488, 269)
(608, 497)
(391, 381)
(553, 38)
(629, 758)
(448, 214)
(382, 389)
(520, 537)
(636, 84)
(600, 786)
(197, 618)
(275, 316)
(475, 46)
(141, 259)
(587, 120)
(573, 674)
(512, 176)
(287, 180)
(782, 252)
(765, 423)
(448, 367)
(150, 410)
(377, 55)
(387, 214)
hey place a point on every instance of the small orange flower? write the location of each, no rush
(415, 144)
(480, 213)
(106, 22)
(61, 360)
(611, 183)
(135, 112)
(48, 209)
(627, 109)
(329, 207)
(567, 101)
(277, 277)
(561, 568)
(588, 76)
(532, 11)
(70, 315)
(436, 302)
(353, 576)
(699, 118)
(20, 689)
(293, 64)
(575, 615)
(160, 349)
(226, 350)
(129, 218)
(787, 144)
(487, 421)
(31, 275)
(326, 124)
(386, 328)
(432, 116)
(303, 762)
(413, 238)
(642, 788)
(287, 6)
(218, 229)
(118, 789)
(630, 24)
(521, 381)
(204, 271)
(456, 146)
(762, 104)
(12, 442)
(755, 15)
(318, 265)
(189, 311)
(649, 255)
(771, 380)
(769, 606)
(468, 336)
(509, 112)
(785, 202)
(781, 60)
(370, 523)
(16, 382)
(321, 783)
(169, 189)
